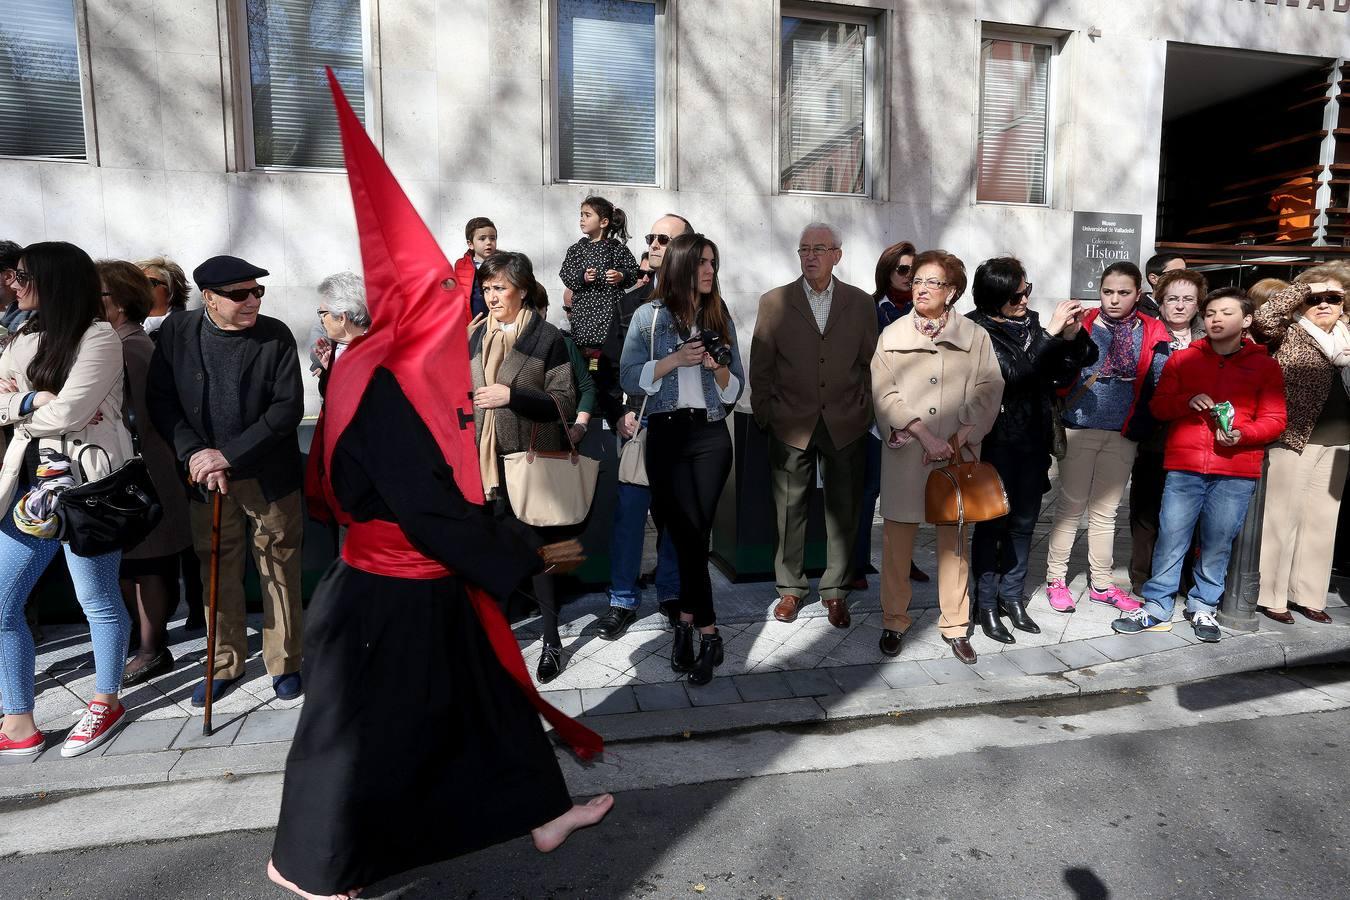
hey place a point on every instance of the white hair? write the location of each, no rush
(824, 226)
(345, 294)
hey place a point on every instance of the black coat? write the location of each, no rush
(1031, 376)
(271, 395)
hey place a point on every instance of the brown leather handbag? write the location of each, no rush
(964, 491)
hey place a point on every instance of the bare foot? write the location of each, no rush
(550, 836)
(280, 880)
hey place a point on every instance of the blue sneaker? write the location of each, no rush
(219, 689)
(288, 686)
(1136, 621)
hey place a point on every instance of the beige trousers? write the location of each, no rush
(953, 577)
(1092, 479)
(277, 528)
(1298, 533)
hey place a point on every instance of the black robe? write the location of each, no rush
(414, 744)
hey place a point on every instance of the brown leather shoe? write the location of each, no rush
(838, 610)
(786, 610)
(1279, 615)
(1315, 615)
(962, 650)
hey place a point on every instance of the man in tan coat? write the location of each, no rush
(810, 384)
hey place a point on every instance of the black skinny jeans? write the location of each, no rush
(688, 461)
(1001, 548)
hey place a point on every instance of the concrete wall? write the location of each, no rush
(463, 117)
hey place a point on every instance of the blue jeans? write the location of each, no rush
(23, 559)
(625, 551)
(862, 547)
(1219, 504)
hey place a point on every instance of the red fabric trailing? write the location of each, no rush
(418, 332)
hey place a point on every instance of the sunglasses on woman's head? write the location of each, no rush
(239, 295)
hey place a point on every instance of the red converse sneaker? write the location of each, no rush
(29, 746)
(98, 724)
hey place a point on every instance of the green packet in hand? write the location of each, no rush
(1223, 415)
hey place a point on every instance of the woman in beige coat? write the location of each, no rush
(61, 389)
(934, 378)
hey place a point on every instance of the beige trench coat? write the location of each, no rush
(946, 383)
(65, 425)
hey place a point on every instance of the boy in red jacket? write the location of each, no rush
(1212, 462)
(481, 237)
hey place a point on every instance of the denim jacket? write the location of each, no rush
(638, 351)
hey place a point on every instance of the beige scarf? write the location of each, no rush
(497, 344)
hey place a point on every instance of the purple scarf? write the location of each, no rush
(931, 327)
(1120, 361)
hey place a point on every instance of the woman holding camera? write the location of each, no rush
(681, 353)
(61, 389)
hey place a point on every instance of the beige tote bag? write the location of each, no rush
(633, 456)
(549, 489)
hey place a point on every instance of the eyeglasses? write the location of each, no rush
(156, 282)
(106, 294)
(1179, 301)
(903, 270)
(661, 239)
(21, 278)
(931, 283)
(322, 313)
(1019, 296)
(817, 250)
(241, 295)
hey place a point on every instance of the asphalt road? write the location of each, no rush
(1250, 808)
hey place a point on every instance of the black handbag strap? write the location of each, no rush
(129, 412)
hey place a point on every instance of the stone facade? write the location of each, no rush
(462, 115)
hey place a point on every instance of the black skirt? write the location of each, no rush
(414, 744)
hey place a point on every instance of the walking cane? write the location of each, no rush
(211, 617)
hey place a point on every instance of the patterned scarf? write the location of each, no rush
(1335, 344)
(931, 327)
(36, 512)
(1120, 359)
(497, 344)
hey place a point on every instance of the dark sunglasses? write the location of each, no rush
(240, 295)
(1330, 298)
(155, 282)
(661, 239)
(21, 278)
(903, 270)
(1023, 295)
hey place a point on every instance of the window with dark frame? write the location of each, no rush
(607, 91)
(41, 102)
(1014, 129)
(290, 43)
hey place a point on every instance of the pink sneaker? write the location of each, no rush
(1114, 596)
(1057, 592)
(97, 725)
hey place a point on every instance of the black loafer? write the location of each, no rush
(550, 664)
(162, 664)
(890, 642)
(614, 623)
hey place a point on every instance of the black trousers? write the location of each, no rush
(1001, 549)
(688, 461)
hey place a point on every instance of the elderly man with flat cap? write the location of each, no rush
(225, 389)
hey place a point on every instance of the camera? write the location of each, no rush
(714, 347)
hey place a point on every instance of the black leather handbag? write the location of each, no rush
(117, 511)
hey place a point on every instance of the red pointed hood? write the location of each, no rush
(418, 328)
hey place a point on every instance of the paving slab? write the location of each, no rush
(993, 666)
(1128, 646)
(145, 737)
(1035, 661)
(718, 692)
(949, 670)
(87, 773)
(1078, 655)
(268, 726)
(855, 679)
(567, 700)
(810, 682)
(954, 695)
(224, 729)
(608, 701)
(905, 674)
(218, 762)
(661, 696)
(763, 686)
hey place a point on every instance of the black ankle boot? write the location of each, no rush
(682, 651)
(709, 658)
(1017, 614)
(993, 628)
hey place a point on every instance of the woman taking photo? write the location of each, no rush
(1305, 478)
(149, 571)
(894, 297)
(1105, 415)
(935, 383)
(1178, 294)
(61, 387)
(523, 386)
(681, 353)
(1034, 361)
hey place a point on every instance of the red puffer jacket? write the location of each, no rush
(1249, 379)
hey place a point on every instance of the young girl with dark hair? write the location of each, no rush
(671, 355)
(61, 387)
(598, 269)
(1106, 414)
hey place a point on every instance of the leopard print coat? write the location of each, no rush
(1308, 375)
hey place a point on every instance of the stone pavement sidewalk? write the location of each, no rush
(774, 674)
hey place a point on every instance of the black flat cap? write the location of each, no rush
(222, 270)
